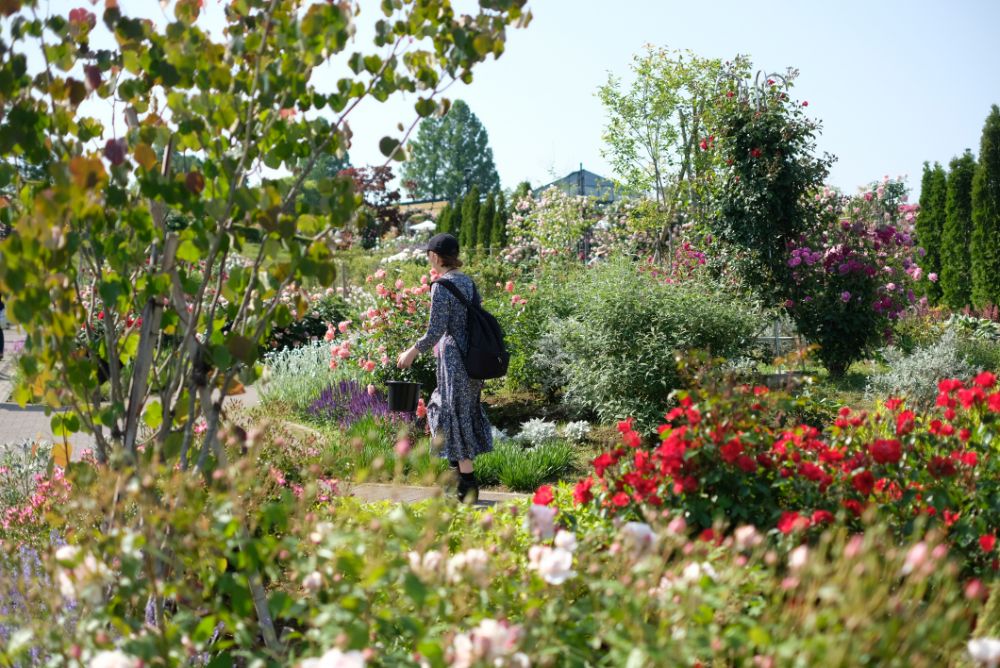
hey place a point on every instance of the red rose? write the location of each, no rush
(886, 451)
(941, 467)
(755, 153)
(994, 402)
(703, 145)
(625, 425)
(543, 496)
(620, 499)
(892, 403)
(949, 385)
(853, 506)
(731, 451)
(863, 482)
(602, 462)
(985, 380)
(631, 439)
(822, 517)
(791, 521)
(582, 493)
(746, 464)
(904, 423)
(987, 542)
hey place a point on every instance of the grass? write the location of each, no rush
(524, 469)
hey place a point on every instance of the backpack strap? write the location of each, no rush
(453, 289)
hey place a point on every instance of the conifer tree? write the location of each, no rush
(498, 232)
(930, 225)
(443, 220)
(956, 274)
(985, 247)
(450, 154)
(470, 219)
(487, 212)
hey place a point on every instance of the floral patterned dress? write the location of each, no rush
(457, 419)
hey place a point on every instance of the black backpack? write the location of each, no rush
(487, 356)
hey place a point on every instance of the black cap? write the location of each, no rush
(442, 244)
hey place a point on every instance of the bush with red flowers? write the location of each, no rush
(732, 452)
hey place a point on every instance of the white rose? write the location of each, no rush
(336, 658)
(113, 659)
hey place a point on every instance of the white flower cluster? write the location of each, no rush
(499, 435)
(405, 255)
(576, 432)
(537, 431)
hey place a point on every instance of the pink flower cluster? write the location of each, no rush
(48, 492)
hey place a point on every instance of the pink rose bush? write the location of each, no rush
(853, 277)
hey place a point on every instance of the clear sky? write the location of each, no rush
(894, 82)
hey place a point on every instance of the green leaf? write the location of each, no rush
(153, 415)
(389, 146)
(241, 348)
(188, 252)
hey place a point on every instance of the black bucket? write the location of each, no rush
(403, 396)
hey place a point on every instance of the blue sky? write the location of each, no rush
(894, 82)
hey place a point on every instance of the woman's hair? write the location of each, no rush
(450, 261)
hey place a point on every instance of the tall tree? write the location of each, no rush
(444, 219)
(985, 249)
(498, 232)
(930, 225)
(487, 212)
(470, 219)
(956, 274)
(450, 155)
(660, 130)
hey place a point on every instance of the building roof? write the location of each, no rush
(585, 183)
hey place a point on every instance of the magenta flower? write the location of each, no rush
(845, 296)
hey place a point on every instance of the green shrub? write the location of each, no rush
(915, 376)
(623, 333)
(524, 469)
(328, 308)
(982, 354)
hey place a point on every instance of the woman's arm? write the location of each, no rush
(436, 328)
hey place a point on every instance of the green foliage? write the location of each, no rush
(119, 235)
(450, 155)
(324, 309)
(661, 130)
(985, 242)
(624, 328)
(393, 581)
(956, 276)
(766, 201)
(915, 375)
(524, 469)
(470, 219)
(296, 376)
(487, 214)
(498, 229)
(444, 219)
(930, 227)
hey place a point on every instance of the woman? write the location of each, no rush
(456, 417)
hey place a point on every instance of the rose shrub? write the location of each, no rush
(853, 276)
(726, 450)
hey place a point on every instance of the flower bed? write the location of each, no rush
(730, 453)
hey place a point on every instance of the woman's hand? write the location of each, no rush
(406, 358)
